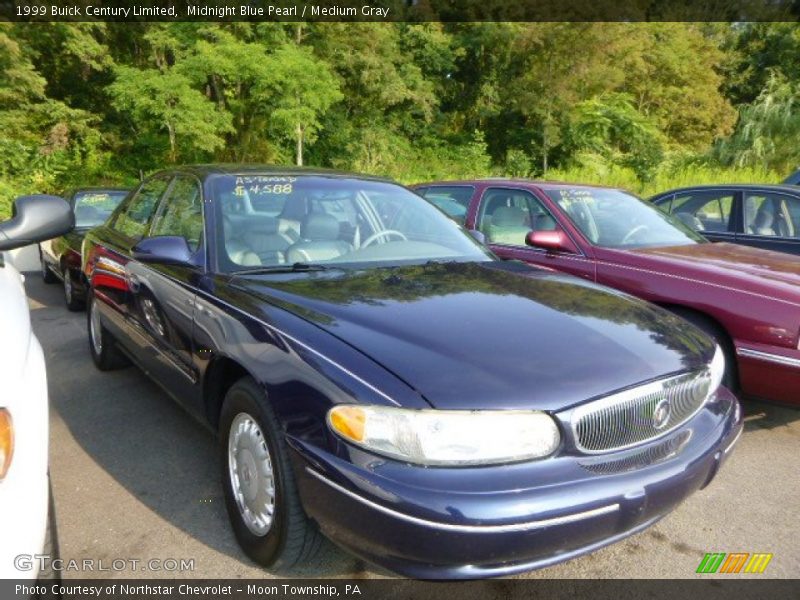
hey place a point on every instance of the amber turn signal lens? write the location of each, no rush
(348, 421)
(6, 441)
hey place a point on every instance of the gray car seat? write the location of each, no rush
(765, 217)
(291, 217)
(544, 222)
(238, 251)
(262, 237)
(319, 240)
(508, 226)
(750, 211)
(690, 220)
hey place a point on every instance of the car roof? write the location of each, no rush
(204, 170)
(773, 187)
(99, 188)
(516, 182)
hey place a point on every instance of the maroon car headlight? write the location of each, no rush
(447, 437)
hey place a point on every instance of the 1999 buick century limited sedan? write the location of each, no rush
(375, 374)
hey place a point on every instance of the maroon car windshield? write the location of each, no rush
(614, 219)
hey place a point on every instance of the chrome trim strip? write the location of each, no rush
(733, 443)
(769, 357)
(587, 514)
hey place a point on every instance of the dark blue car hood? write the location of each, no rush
(492, 335)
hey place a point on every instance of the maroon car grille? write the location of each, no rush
(639, 414)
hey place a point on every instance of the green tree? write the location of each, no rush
(159, 100)
(301, 89)
(768, 129)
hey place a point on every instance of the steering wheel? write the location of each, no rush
(632, 233)
(376, 236)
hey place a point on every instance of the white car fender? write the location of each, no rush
(23, 381)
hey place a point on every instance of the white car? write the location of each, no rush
(24, 486)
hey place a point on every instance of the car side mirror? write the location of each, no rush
(166, 249)
(34, 219)
(552, 241)
(478, 235)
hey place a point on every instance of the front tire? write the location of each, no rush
(257, 480)
(102, 345)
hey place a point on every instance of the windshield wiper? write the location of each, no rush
(298, 267)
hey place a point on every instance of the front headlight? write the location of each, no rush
(716, 370)
(447, 437)
(6, 441)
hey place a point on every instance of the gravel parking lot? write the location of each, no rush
(134, 477)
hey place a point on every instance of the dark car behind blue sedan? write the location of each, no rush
(375, 374)
(760, 215)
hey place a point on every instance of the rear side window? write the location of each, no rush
(771, 214)
(452, 200)
(704, 210)
(134, 218)
(181, 212)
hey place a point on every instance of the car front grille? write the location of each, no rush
(639, 414)
(637, 459)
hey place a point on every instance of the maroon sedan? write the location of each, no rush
(748, 299)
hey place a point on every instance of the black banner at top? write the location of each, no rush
(400, 10)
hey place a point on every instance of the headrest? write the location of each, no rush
(320, 227)
(545, 222)
(764, 216)
(690, 220)
(261, 225)
(506, 216)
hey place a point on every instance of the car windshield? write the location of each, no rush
(92, 208)
(615, 219)
(273, 220)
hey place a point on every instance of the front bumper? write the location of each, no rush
(436, 523)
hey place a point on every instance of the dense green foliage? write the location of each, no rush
(644, 106)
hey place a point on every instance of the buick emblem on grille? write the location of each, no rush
(661, 414)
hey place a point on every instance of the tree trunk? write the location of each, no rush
(299, 132)
(172, 143)
(544, 151)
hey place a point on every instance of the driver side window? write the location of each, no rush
(506, 216)
(134, 218)
(181, 212)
